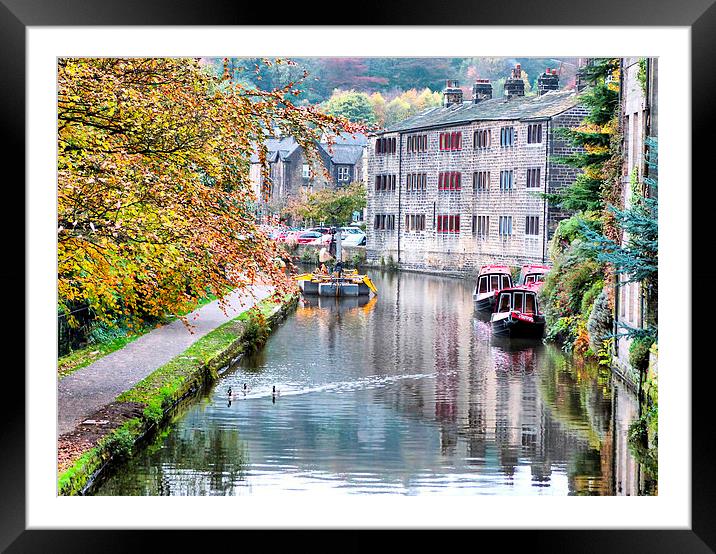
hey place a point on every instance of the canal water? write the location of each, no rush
(405, 393)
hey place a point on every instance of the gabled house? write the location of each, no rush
(346, 155)
(293, 174)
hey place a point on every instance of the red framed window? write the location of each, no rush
(448, 224)
(450, 180)
(450, 141)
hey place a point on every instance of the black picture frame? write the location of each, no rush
(699, 15)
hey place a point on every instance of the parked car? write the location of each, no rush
(323, 240)
(352, 236)
(322, 230)
(307, 237)
(285, 234)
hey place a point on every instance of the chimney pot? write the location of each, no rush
(452, 93)
(481, 90)
(514, 85)
(549, 80)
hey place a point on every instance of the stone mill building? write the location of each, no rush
(457, 186)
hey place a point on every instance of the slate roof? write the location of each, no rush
(347, 149)
(277, 148)
(344, 153)
(523, 108)
(355, 139)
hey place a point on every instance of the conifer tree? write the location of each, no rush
(637, 259)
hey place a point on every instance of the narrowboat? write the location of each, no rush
(516, 314)
(533, 275)
(491, 279)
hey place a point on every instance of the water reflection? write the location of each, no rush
(408, 393)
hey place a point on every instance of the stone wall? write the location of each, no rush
(560, 175)
(464, 252)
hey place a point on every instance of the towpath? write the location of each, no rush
(88, 389)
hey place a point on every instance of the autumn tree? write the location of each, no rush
(396, 110)
(154, 197)
(329, 206)
(354, 106)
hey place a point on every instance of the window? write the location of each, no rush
(507, 136)
(482, 286)
(506, 281)
(635, 142)
(505, 225)
(451, 141)
(504, 304)
(385, 183)
(533, 176)
(417, 143)
(416, 182)
(449, 180)
(480, 225)
(481, 138)
(530, 304)
(385, 145)
(532, 225)
(415, 222)
(480, 181)
(494, 282)
(506, 180)
(306, 171)
(384, 222)
(534, 133)
(518, 301)
(344, 173)
(448, 224)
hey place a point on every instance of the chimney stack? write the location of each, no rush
(549, 80)
(452, 93)
(481, 90)
(581, 81)
(514, 85)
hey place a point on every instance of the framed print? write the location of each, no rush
(397, 274)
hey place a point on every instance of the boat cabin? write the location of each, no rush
(491, 279)
(516, 314)
(517, 300)
(532, 275)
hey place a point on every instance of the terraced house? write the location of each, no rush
(457, 186)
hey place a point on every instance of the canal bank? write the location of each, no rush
(114, 432)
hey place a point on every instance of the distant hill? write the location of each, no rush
(389, 76)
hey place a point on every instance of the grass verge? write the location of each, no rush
(183, 376)
(82, 357)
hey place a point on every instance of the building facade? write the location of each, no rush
(638, 121)
(293, 175)
(459, 186)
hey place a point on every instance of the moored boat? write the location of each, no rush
(491, 279)
(345, 283)
(533, 275)
(517, 314)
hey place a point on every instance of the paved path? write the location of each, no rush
(88, 389)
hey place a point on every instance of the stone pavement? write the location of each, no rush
(88, 389)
